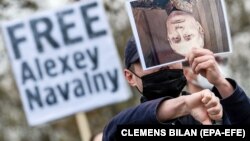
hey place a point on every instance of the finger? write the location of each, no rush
(207, 96)
(200, 60)
(203, 66)
(216, 117)
(214, 110)
(213, 102)
(206, 99)
(195, 52)
(207, 122)
(215, 114)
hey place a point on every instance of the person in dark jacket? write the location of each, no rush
(164, 103)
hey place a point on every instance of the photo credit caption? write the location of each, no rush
(126, 132)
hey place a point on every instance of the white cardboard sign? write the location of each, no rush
(65, 61)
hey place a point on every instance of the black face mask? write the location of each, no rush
(168, 82)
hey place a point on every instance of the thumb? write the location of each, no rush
(206, 122)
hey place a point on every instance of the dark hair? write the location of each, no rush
(131, 55)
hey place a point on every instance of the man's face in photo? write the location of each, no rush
(184, 32)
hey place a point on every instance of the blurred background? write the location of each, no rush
(13, 124)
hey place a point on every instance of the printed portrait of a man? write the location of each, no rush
(167, 30)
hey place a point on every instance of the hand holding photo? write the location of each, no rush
(166, 30)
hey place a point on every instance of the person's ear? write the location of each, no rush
(129, 77)
(170, 43)
(201, 30)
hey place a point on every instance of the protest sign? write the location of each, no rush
(65, 61)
